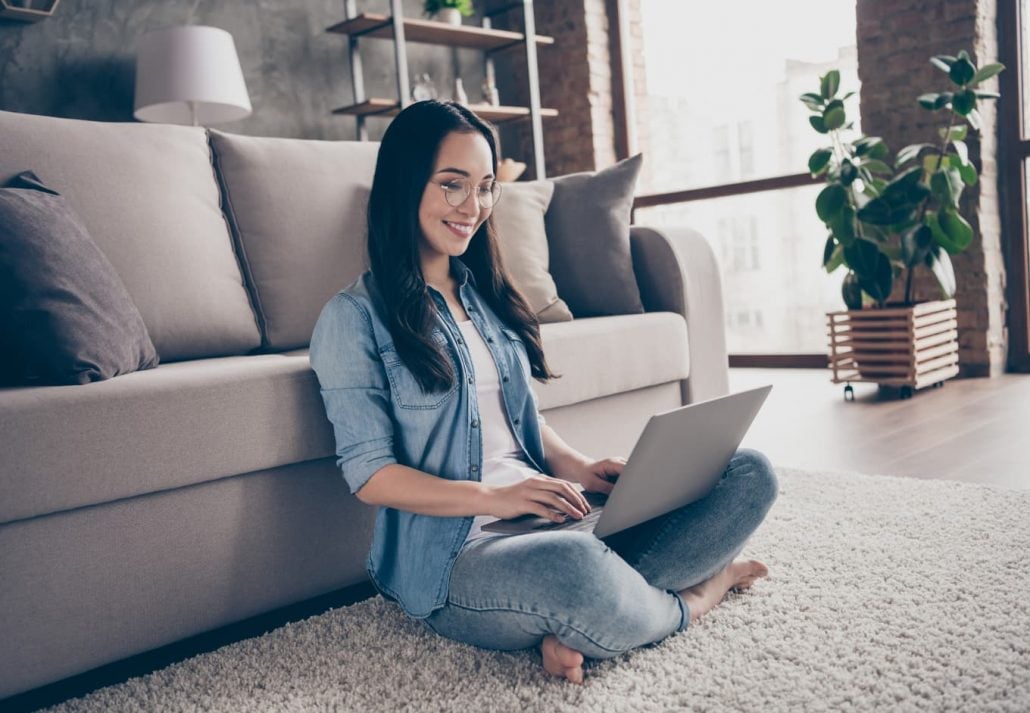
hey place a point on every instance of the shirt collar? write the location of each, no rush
(462, 273)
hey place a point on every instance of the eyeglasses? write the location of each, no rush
(457, 192)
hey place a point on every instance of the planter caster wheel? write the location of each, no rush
(849, 392)
(939, 385)
(906, 392)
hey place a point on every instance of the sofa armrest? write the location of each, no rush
(677, 272)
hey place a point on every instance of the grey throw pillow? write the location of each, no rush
(65, 315)
(522, 239)
(588, 232)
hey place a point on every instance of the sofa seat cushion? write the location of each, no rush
(600, 356)
(179, 424)
(147, 194)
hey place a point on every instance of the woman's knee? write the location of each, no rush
(756, 468)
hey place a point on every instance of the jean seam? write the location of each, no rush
(541, 616)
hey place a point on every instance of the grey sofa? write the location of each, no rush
(148, 508)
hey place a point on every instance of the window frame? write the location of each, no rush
(1014, 151)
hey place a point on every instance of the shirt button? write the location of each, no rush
(516, 422)
(475, 468)
(490, 339)
(506, 379)
(460, 342)
(475, 424)
(470, 380)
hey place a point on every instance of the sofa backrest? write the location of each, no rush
(297, 210)
(150, 200)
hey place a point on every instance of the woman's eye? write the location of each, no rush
(452, 186)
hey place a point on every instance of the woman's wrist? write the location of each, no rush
(568, 466)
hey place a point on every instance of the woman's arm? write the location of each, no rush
(563, 461)
(403, 488)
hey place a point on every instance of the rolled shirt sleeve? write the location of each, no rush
(355, 389)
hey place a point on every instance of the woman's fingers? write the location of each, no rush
(564, 500)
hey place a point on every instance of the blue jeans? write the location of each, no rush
(603, 597)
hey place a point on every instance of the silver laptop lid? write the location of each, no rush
(679, 458)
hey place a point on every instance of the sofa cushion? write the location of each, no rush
(297, 208)
(588, 231)
(147, 195)
(65, 316)
(600, 356)
(522, 239)
(179, 424)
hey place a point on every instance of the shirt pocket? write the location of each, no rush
(405, 388)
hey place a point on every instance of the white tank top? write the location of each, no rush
(504, 461)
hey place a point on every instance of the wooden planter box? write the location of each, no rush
(907, 347)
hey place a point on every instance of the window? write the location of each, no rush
(729, 102)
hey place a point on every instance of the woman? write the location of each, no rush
(424, 365)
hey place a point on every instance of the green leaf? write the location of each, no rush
(931, 162)
(954, 133)
(968, 173)
(943, 100)
(813, 101)
(943, 61)
(848, 172)
(818, 161)
(946, 185)
(843, 225)
(940, 264)
(871, 146)
(830, 202)
(962, 70)
(910, 152)
(928, 101)
(964, 102)
(872, 267)
(974, 119)
(833, 255)
(834, 118)
(986, 72)
(829, 84)
(959, 234)
(817, 123)
(961, 152)
(878, 167)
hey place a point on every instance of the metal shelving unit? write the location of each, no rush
(401, 30)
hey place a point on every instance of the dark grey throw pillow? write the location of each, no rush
(65, 315)
(588, 236)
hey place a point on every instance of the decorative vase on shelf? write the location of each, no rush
(459, 92)
(448, 15)
(490, 94)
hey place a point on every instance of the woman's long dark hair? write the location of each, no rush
(405, 163)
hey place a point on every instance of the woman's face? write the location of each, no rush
(463, 159)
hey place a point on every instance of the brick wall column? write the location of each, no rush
(575, 79)
(896, 39)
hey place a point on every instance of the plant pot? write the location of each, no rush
(909, 347)
(448, 15)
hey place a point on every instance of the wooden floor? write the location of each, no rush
(974, 430)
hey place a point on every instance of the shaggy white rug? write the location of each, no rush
(885, 594)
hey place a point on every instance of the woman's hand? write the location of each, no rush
(599, 476)
(542, 495)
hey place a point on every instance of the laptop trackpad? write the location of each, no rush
(528, 523)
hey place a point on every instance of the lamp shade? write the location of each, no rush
(189, 75)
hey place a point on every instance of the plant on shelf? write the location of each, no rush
(449, 11)
(887, 219)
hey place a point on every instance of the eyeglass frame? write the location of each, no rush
(495, 192)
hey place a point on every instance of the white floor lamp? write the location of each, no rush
(189, 75)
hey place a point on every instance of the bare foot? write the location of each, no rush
(737, 575)
(561, 660)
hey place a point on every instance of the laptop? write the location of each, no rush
(678, 459)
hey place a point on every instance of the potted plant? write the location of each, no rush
(449, 11)
(886, 219)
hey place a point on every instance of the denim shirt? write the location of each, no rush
(380, 415)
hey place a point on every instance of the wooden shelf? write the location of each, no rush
(26, 14)
(435, 33)
(389, 107)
